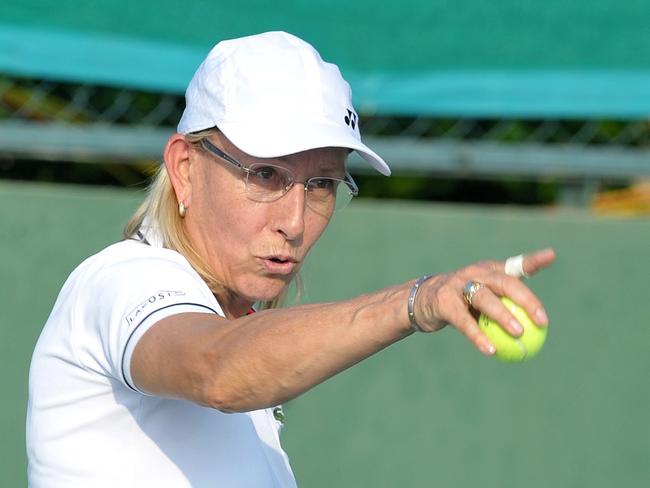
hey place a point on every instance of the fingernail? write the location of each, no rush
(516, 326)
(541, 317)
(489, 349)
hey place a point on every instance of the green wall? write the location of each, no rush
(429, 411)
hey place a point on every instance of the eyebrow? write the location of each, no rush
(330, 171)
(322, 169)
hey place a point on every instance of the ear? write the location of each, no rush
(177, 163)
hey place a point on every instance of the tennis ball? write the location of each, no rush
(514, 349)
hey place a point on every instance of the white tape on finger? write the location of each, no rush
(515, 266)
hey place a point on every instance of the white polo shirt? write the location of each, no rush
(87, 423)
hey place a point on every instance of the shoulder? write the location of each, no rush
(131, 271)
(129, 282)
(131, 257)
(130, 250)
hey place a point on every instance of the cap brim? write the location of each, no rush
(272, 140)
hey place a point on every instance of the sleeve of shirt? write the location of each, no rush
(123, 299)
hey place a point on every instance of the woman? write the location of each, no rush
(152, 369)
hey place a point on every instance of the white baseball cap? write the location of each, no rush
(272, 95)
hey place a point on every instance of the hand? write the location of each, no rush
(440, 299)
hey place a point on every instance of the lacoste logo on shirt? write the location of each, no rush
(156, 297)
(351, 119)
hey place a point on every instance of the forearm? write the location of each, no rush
(272, 356)
(276, 355)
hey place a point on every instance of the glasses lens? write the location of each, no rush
(266, 182)
(344, 195)
(325, 195)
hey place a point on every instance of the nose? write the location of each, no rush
(290, 218)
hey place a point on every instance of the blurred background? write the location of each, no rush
(509, 126)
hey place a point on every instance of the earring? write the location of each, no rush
(181, 209)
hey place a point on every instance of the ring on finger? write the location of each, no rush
(470, 289)
(515, 267)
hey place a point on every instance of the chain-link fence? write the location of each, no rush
(46, 101)
(53, 121)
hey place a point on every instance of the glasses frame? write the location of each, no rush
(208, 146)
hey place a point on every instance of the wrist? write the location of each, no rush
(410, 304)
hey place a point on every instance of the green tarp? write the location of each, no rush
(519, 58)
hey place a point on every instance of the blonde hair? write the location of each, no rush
(160, 208)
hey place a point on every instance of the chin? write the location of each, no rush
(267, 290)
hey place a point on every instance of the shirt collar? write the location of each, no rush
(149, 233)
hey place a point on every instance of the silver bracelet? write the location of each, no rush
(411, 302)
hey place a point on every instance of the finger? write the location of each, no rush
(488, 303)
(531, 263)
(538, 260)
(468, 326)
(518, 292)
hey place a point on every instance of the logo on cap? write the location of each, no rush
(351, 119)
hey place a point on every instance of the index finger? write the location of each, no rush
(538, 260)
(529, 263)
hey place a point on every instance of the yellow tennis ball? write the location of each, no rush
(514, 349)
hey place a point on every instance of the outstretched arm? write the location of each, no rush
(273, 356)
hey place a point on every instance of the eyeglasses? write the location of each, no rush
(268, 182)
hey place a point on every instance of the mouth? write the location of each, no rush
(278, 264)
